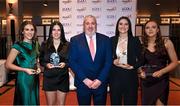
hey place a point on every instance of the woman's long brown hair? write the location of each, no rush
(159, 47)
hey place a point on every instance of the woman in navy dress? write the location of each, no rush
(156, 52)
(53, 57)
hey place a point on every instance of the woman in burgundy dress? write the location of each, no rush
(157, 51)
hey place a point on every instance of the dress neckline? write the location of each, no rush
(151, 51)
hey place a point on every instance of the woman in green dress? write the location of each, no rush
(25, 52)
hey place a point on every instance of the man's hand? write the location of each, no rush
(96, 84)
(88, 82)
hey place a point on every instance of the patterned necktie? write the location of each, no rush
(91, 47)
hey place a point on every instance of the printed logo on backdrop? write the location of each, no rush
(67, 17)
(81, 9)
(111, 1)
(111, 9)
(126, 1)
(66, 9)
(66, 1)
(80, 16)
(81, 1)
(111, 16)
(67, 24)
(96, 9)
(96, 1)
(126, 9)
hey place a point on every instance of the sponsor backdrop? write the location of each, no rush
(107, 12)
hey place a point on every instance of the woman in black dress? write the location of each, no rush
(53, 57)
(156, 52)
(123, 75)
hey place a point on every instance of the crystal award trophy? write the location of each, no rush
(55, 59)
(122, 58)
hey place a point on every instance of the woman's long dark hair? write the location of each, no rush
(159, 47)
(62, 36)
(130, 34)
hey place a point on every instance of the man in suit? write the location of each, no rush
(90, 58)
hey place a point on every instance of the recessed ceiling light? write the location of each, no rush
(45, 3)
(158, 4)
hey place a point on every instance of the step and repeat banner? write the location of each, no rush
(107, 12)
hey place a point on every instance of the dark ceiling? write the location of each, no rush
(165, 7)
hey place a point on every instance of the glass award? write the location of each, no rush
(55, 59)
(122, 57)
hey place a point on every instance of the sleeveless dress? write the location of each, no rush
(27, 86)
(154, 88)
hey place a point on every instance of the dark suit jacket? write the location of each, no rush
(80, 60)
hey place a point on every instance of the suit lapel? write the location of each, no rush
(98, 46)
